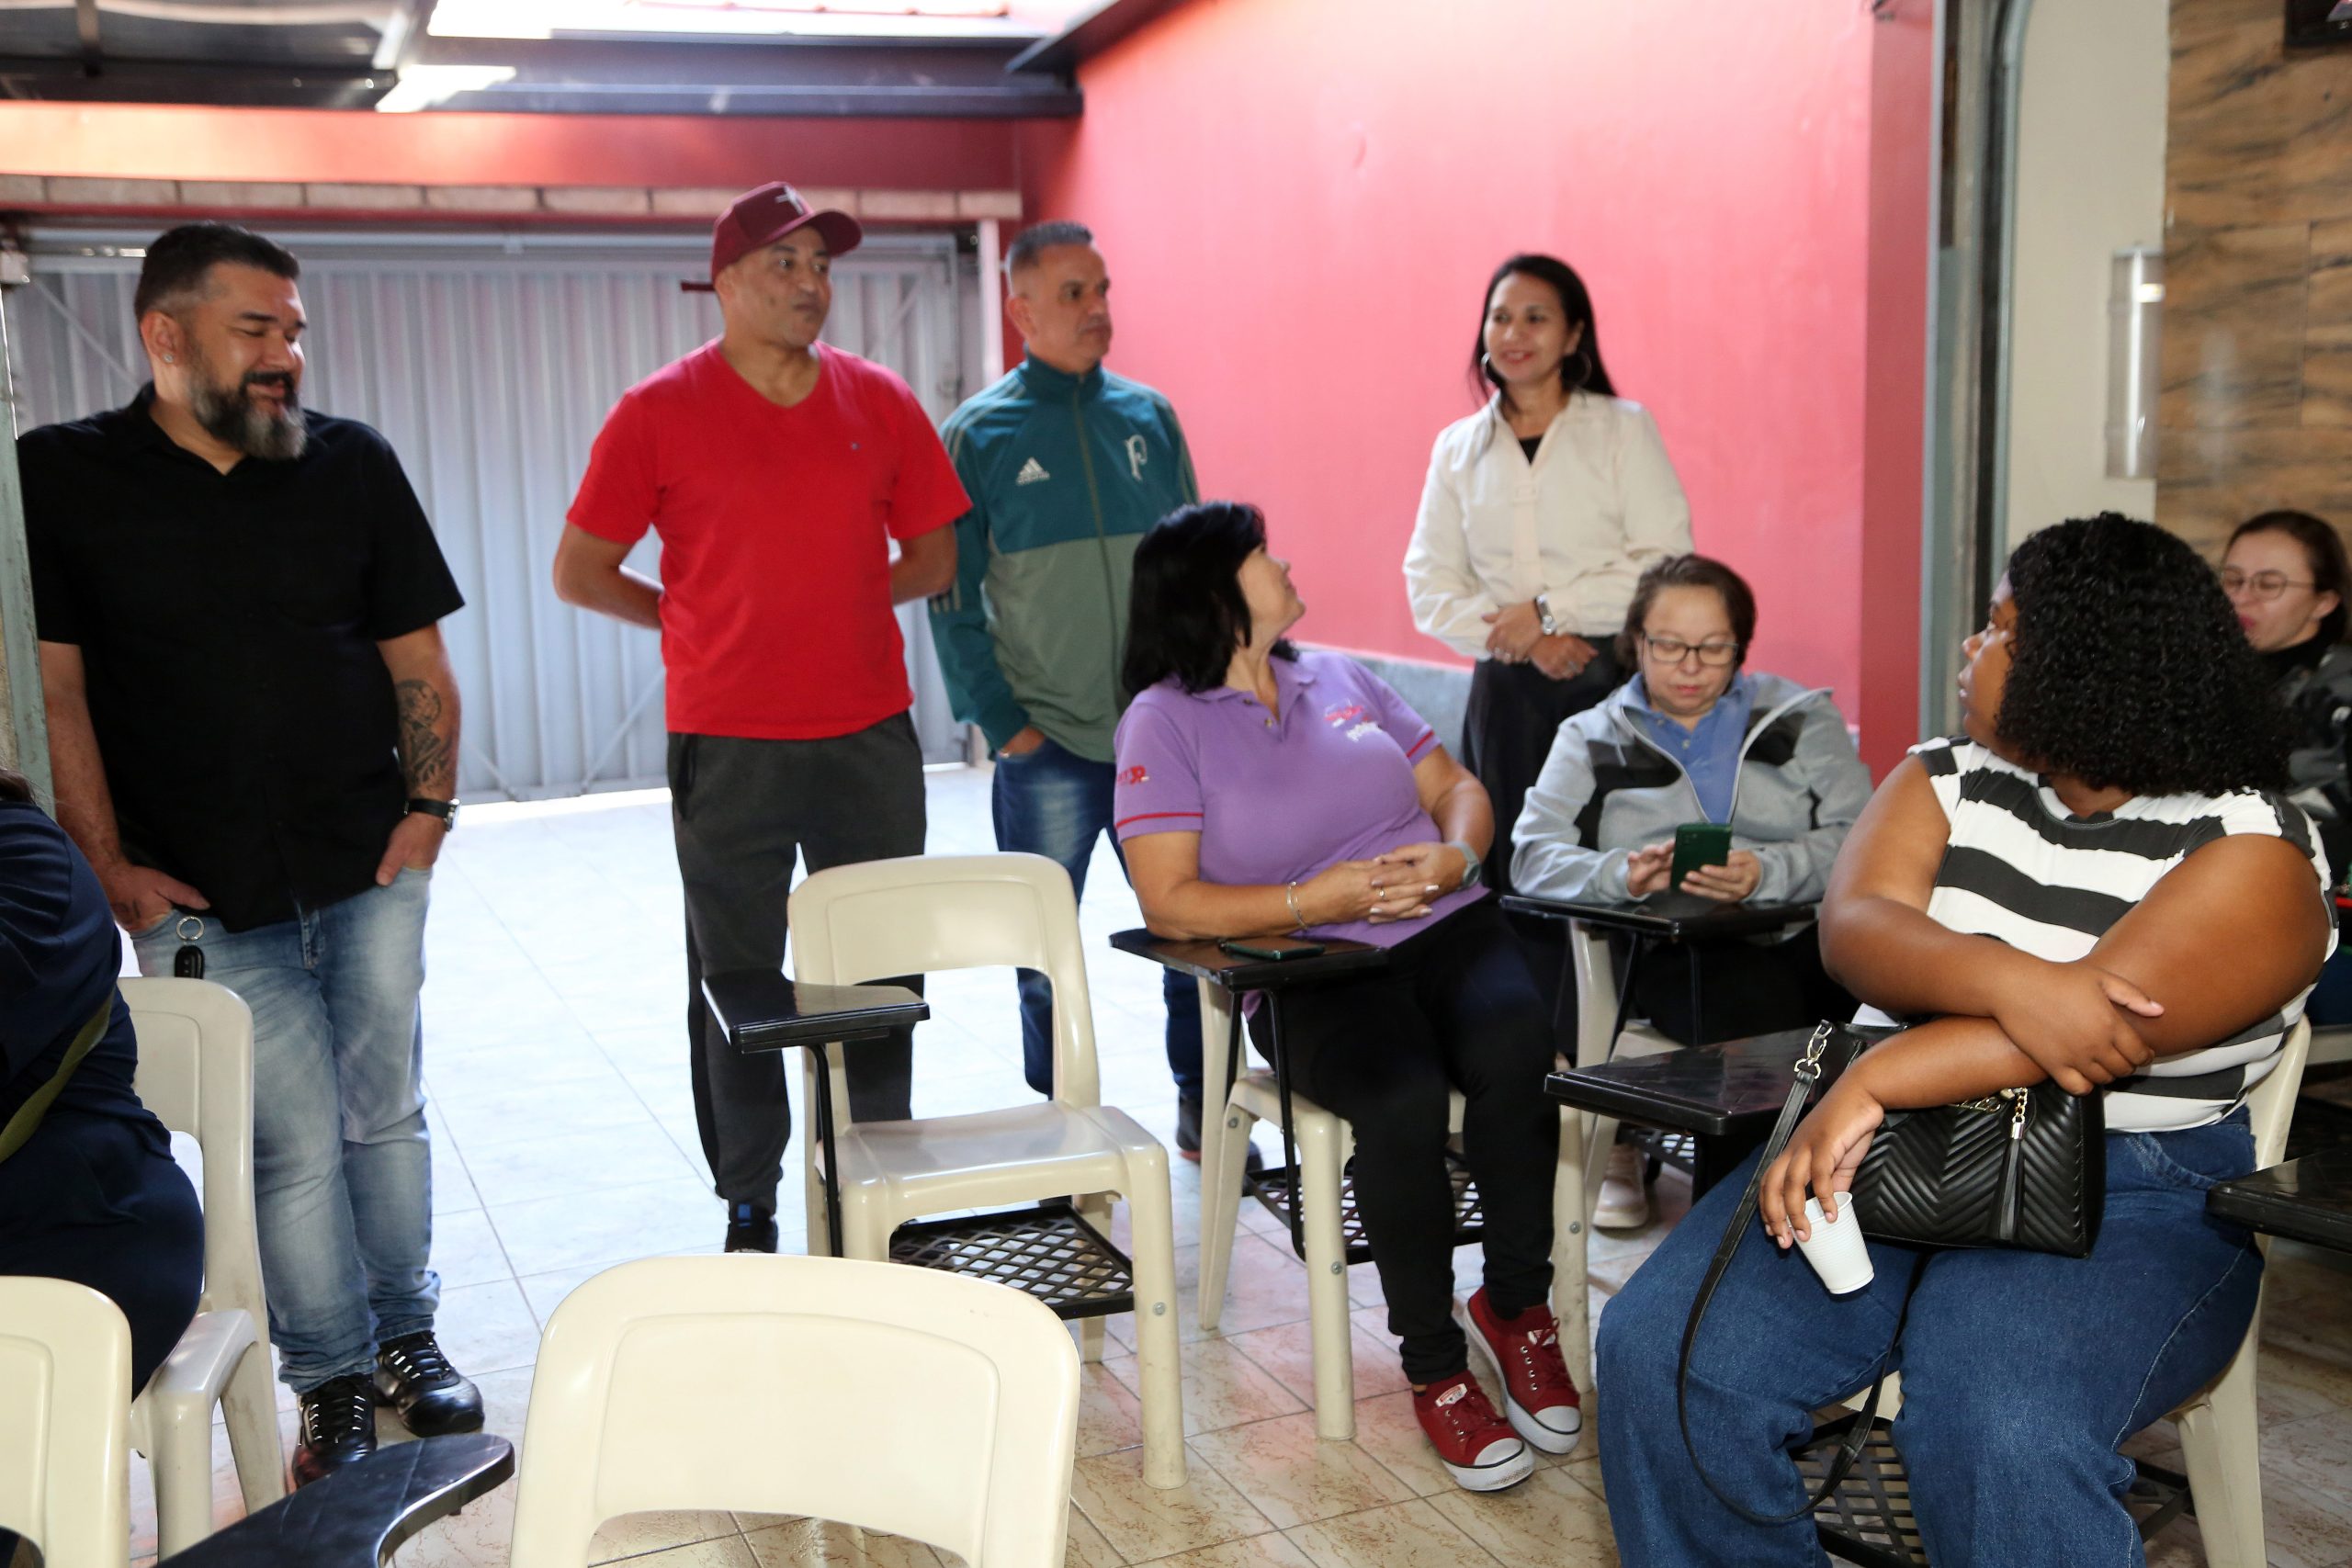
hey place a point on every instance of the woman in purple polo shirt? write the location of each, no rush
(1264, 790)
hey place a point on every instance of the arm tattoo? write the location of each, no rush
(426, 758)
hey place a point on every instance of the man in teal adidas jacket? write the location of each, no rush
(1066, 466)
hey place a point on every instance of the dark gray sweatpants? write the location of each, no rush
(740, 810)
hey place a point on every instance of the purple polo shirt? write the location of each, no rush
(1278, 798)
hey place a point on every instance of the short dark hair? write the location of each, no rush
(2322, 547)
(181, 260)
(1040, 237)
(2129, 669)
(1689, 571)
(1185, 611)
(1580, 371)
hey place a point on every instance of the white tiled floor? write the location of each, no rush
(565, 1142)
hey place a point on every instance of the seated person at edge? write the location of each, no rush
(1263, 790)
(1695, 737)
(2285, 573)
(2093, 885)
(89, 1188)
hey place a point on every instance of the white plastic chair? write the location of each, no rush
(895, 1399)
(1325, 1141)
(854, 924)
(2221, 1443)
(64, 1423)
(195, 1073)
(1586, 1138)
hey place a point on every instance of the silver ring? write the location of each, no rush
(184, 934)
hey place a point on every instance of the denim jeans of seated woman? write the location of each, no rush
(2021, 1372)
(1053, 802)
(342, 1189)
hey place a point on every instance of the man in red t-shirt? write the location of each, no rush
(776, 471)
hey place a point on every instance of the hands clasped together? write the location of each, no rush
(2073, 1020)
(1518, 637)
(1402, 885)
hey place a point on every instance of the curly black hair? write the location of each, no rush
(2129, 669)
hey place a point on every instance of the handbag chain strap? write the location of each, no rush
(1808, 1071)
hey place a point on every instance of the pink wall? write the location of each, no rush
(1301, 199)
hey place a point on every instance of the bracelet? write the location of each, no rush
(1290, 896)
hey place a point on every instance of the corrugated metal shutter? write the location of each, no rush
(490, 361)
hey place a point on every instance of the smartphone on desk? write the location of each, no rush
(1270, 949)
(1697, 844)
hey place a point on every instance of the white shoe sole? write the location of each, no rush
(1622, 1207)
(1492, 1477)
(1522, 1420)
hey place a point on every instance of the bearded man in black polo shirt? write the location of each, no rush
(254, 727)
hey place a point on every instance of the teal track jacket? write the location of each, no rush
(1066, 473)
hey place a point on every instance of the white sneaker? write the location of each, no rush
(1624, 1201)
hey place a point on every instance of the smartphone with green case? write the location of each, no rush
(1697, 844)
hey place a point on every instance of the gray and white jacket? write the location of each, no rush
(1607, 790)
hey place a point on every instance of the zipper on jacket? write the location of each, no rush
(1102, 536)
(1618, 712)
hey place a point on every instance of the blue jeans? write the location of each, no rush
(1051, 802)
(2021, 1372)
(343, 1181)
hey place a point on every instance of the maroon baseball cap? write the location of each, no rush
(763, 217)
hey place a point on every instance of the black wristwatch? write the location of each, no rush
(445, 810)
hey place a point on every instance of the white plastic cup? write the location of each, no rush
(1836, 1248)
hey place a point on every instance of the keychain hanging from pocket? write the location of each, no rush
(188, 963)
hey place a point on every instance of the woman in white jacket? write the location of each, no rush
(1538, 516)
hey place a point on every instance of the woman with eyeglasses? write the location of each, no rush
(1539, 512)
(1696, 736)
(2285, 573)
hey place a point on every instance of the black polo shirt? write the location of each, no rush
(228, 625)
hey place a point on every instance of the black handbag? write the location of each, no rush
(2024, 1169)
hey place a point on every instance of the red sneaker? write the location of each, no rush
(1478, 1450)
(1538, 1394)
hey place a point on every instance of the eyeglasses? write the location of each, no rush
(2261, 584)
(1671, 650)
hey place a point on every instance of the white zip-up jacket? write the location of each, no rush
(1607, 789)
(1599, 502)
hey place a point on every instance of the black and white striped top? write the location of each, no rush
(2020, 869)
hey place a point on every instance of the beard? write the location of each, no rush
(230, 415)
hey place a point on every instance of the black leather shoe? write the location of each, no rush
(749, 1228)
(424, 1390)
(1188, 1134)
(337, 1427)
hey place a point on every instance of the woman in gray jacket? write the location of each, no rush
(1694, 737)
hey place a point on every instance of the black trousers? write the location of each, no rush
(741, 810)
(1507, 731)
(1455, 1006)
(1744, 988)
(99, 1199)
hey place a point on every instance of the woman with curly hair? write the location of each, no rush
(2043, 896)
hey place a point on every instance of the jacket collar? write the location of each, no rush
(1046, 381)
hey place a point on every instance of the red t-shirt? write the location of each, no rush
(776, 622)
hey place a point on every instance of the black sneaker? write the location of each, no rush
(1188, 1134)
(1188, 1126)
(424, 1390)
(749, 1228)
(337, 1427)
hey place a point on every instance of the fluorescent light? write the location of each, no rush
(427, 86)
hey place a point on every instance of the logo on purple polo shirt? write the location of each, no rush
(1134, 775)
(1342, 714)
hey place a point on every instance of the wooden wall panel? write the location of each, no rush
(2256, 405)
